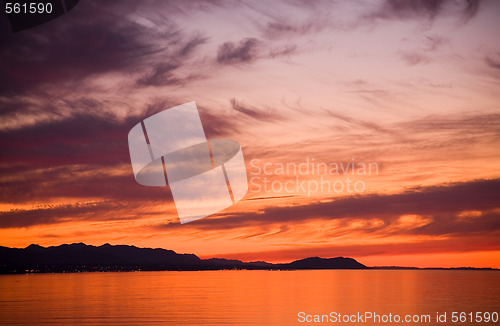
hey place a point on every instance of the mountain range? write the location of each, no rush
(79, 257)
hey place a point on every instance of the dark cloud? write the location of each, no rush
(249, 50)
(77, 139)
(72, 157)
(52, 215)
(404, 8)
(87, 211)
(435, 42)
(86, 41)
(167, 73)
(246, 51)
(189, 47)
(84, 155)
(279, 29)
(42, 185)
(429, 9)
(94, 38)
(493, 61)
(218, 125)
(162, 74)
(485, 223)
(86, 135)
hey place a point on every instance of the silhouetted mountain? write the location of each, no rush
(263, 264)
(81, 257)
(325, 263)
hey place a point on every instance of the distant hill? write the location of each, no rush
(78, 257)
(82, 254)
(325, 263)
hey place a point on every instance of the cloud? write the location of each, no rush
(493, 60)
(92, 40)
(87, 211)
(250, 50)
(162, 74)
(284, 51)
(58, 214)
(476, 125)
(413, 58)
(87, 134)
(189, 47)
(77, 139)
(244, 52)
(295, 19)
(218, 125)
(169, 72)
(281, 29)
(84, 182)
(86, 41)
(366, 124)
(254, 113)
(428, 9)
(84, 154)
(435, 42)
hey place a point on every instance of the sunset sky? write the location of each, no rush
(411, 87)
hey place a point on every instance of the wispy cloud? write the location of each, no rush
(243, 52)
(414, 58)
(261, 115)
(493, 61)
(428, 9)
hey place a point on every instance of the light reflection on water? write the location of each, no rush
(240, 297)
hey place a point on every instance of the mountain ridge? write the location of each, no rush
(79, 257)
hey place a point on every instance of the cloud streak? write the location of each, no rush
(442, 204)
(428, 9)
(243, 52)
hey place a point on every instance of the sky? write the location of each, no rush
(370, 129)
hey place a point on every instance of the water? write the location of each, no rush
(242, 297)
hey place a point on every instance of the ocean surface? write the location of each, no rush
(251, 297)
